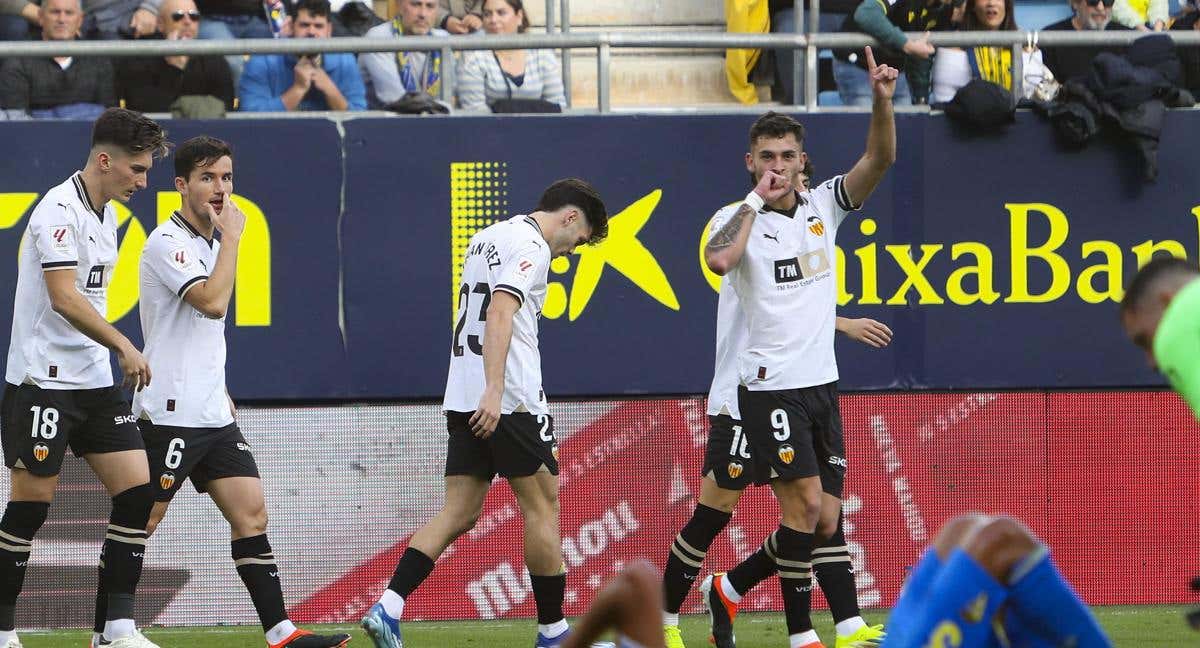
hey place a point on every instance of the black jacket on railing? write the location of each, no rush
(1072, 62)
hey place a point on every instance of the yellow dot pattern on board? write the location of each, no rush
(478, 198)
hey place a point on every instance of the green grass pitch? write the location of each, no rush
(1129, 626)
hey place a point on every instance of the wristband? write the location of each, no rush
(754, 200)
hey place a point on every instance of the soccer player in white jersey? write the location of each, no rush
(187, 417)
(496, 412)
(729, 467)
(777, 252)
(59, 389)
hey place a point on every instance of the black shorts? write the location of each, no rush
(796, 433)
(728, 458)
(523, 444)
(38, 425)
(202, 454)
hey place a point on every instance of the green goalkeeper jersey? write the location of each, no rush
(1177, 344)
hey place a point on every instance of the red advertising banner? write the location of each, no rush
(1106, 478)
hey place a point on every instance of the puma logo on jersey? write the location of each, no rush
(91, 239)
(773, 238)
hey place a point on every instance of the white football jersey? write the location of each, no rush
(731, 337)
(786, 283)
(64, 231)
(185, 348)
(511, 256)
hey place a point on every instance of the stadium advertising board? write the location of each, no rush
(997, 261)
(342, 509)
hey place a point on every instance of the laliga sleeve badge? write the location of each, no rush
(787, 453)
(61, 238)
(41, 451)
(166, 480)
(735, 469)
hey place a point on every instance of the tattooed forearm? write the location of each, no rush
(728, 234)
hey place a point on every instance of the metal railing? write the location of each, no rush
(602, 42)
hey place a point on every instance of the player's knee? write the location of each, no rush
(27, 487)
(1000, 543)
(721, 499)
(251, 523)
(131, 508)
(464, 520)
(955, 530)
(799, 503)
(156, 516)
(825, 529)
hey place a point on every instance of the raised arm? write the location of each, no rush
(211, 296)
(881, 134)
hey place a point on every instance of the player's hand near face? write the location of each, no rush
(866, 330)
(231, 222)
(883, 77)
(772, 186)
(487, 415)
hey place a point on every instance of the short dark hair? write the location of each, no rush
(199, 152)
(313, 7)
(130, 131)
(1150, 275)
(776, 125)
(578, 193)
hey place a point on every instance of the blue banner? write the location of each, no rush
(998, 261)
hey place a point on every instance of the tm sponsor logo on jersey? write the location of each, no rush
(800, 271)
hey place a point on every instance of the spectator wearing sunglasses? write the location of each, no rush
(1090, 15)
(152, 84)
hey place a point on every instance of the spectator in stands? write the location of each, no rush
(329, 81)
(61, 86)
(389, 75)
(17, 18)
(223, 19)
(1145, 15)
(1189, 56)
(887, 21)
(103, 19)
(1090, 15)
(489, 77)
(954, 67)
(153, 84)
(461, 16)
